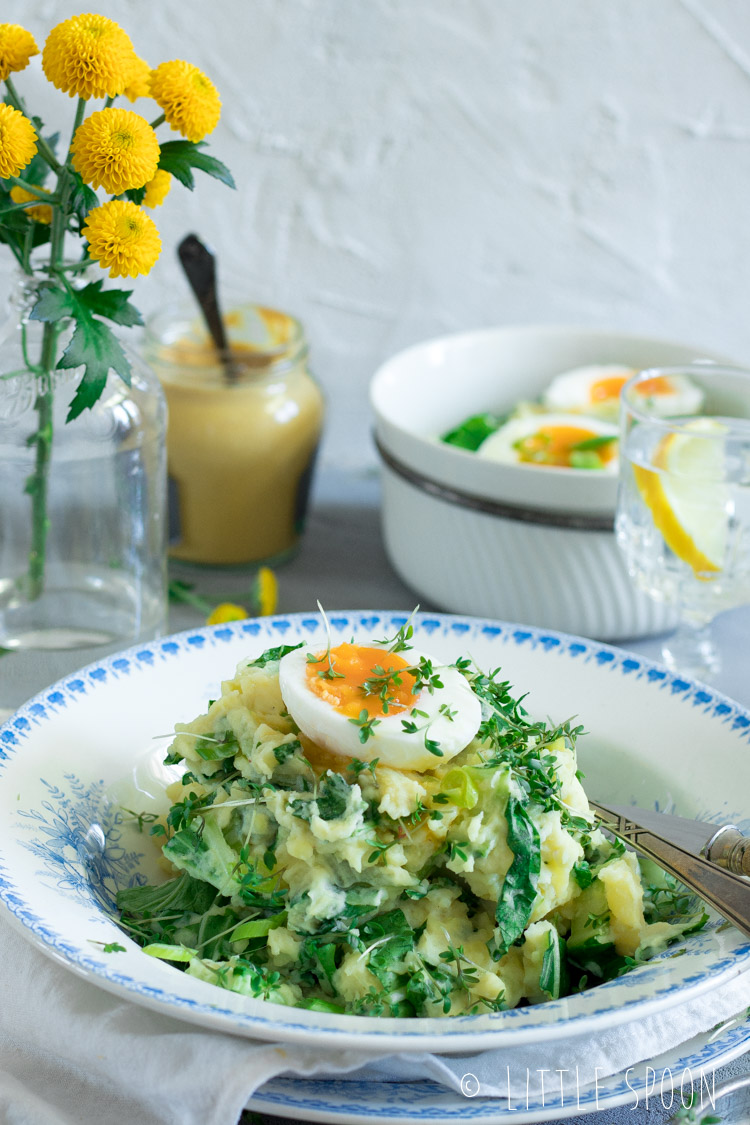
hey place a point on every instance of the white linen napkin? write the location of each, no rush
(71, 1053)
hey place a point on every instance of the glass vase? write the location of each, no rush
(82, 518)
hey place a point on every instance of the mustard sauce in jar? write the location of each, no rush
(241, 437)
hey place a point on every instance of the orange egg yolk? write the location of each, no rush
(352, 678)
(604, 390)
(659, 385)
(553, 445)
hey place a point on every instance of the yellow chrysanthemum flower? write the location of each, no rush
(42, 212)
(115, 149)
(17, 45)
(266, 591)
(157, 189)
(89, 56)
(187, 98)
(227, 611)
(17, 141)
(122, 238)
(139, 83)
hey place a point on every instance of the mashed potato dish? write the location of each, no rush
(364, 829)
(573, 424)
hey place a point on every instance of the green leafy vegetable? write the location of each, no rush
(214, 749)
(459, 786)
(580, 459)
(315, 1004)
(583, 874)
(333, 797)
(259, 928)
(553, 978)
(474, 430)
(597, 442)
(286, 750)
(519, 888)
(272, 655)
(169, 952)
(389, 937)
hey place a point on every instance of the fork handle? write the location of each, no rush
(730, 849)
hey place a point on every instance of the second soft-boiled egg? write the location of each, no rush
(596, 390)
(363, 701)
(559, 440)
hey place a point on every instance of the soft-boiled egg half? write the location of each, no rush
(361, 701)
(569, 441)
(596, 390)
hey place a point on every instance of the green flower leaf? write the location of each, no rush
(111, 303)
(135, 195)
(82, 198)
(53, 304)
(180, 157)
(95, 348)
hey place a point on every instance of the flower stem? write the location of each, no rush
(16, 101)
(80, 114)
(179, 592)
(37, 485)
(32, 189)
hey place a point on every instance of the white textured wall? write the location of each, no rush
(413, 167)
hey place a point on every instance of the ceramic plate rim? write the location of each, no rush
(492, 1111)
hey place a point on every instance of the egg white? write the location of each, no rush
(500, 445)
(389, 743)
(684, 397)
(571, 391)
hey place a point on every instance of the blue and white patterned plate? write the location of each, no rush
(74, 755)
(666, 1082)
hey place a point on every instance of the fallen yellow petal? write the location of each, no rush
(227, 611)
(266, 591)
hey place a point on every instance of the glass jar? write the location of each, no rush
(82, 519)
(242, 434)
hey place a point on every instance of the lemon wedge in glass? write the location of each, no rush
(688, 496)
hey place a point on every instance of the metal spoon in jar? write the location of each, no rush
(199, 265)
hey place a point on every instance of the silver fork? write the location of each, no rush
(713, 862)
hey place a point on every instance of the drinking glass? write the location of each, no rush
(683, 506)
